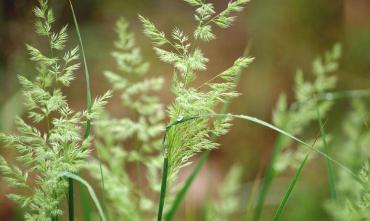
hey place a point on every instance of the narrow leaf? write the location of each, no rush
(89, 188)
(289, 192)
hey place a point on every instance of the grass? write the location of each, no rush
(288, 194)
(269, 177)
(164, 185)
(84, 202)
(91, 192)
(270, 173)
(162, 196)
(267, 180)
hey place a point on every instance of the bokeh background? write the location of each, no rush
(283, 36)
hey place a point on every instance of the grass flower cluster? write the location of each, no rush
(49, 142)
(138, 156)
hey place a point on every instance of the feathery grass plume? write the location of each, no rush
(46, 153)
(229, 197)
(184, 137)
(296, 117)
(303, 111)
(205, 15)
(130, 142)
(354, 200)
(188, 138)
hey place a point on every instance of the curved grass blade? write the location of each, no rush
(89, 188)
(85, 205)
(308, 146)
(289, 191)
(86, 71)
(268, 125)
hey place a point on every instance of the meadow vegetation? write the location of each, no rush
(133, 162)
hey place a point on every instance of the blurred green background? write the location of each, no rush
(283, 36)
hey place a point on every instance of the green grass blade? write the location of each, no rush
(85, 205)
(329, 166)
(162, 195)
(86, 72)
(71, 212)
(287, 195)
(89, 188)
(306, 145)
(163, 189)
(267, 180)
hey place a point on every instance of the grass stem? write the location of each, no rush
(268, 179)
(163, 188)
(70, 199)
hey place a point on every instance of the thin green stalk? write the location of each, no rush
(329, 166)
(89, 188)
(70, 200)
(267, 181)
(85, 205)
(287, 195)
(86, 72)
(163, 188)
